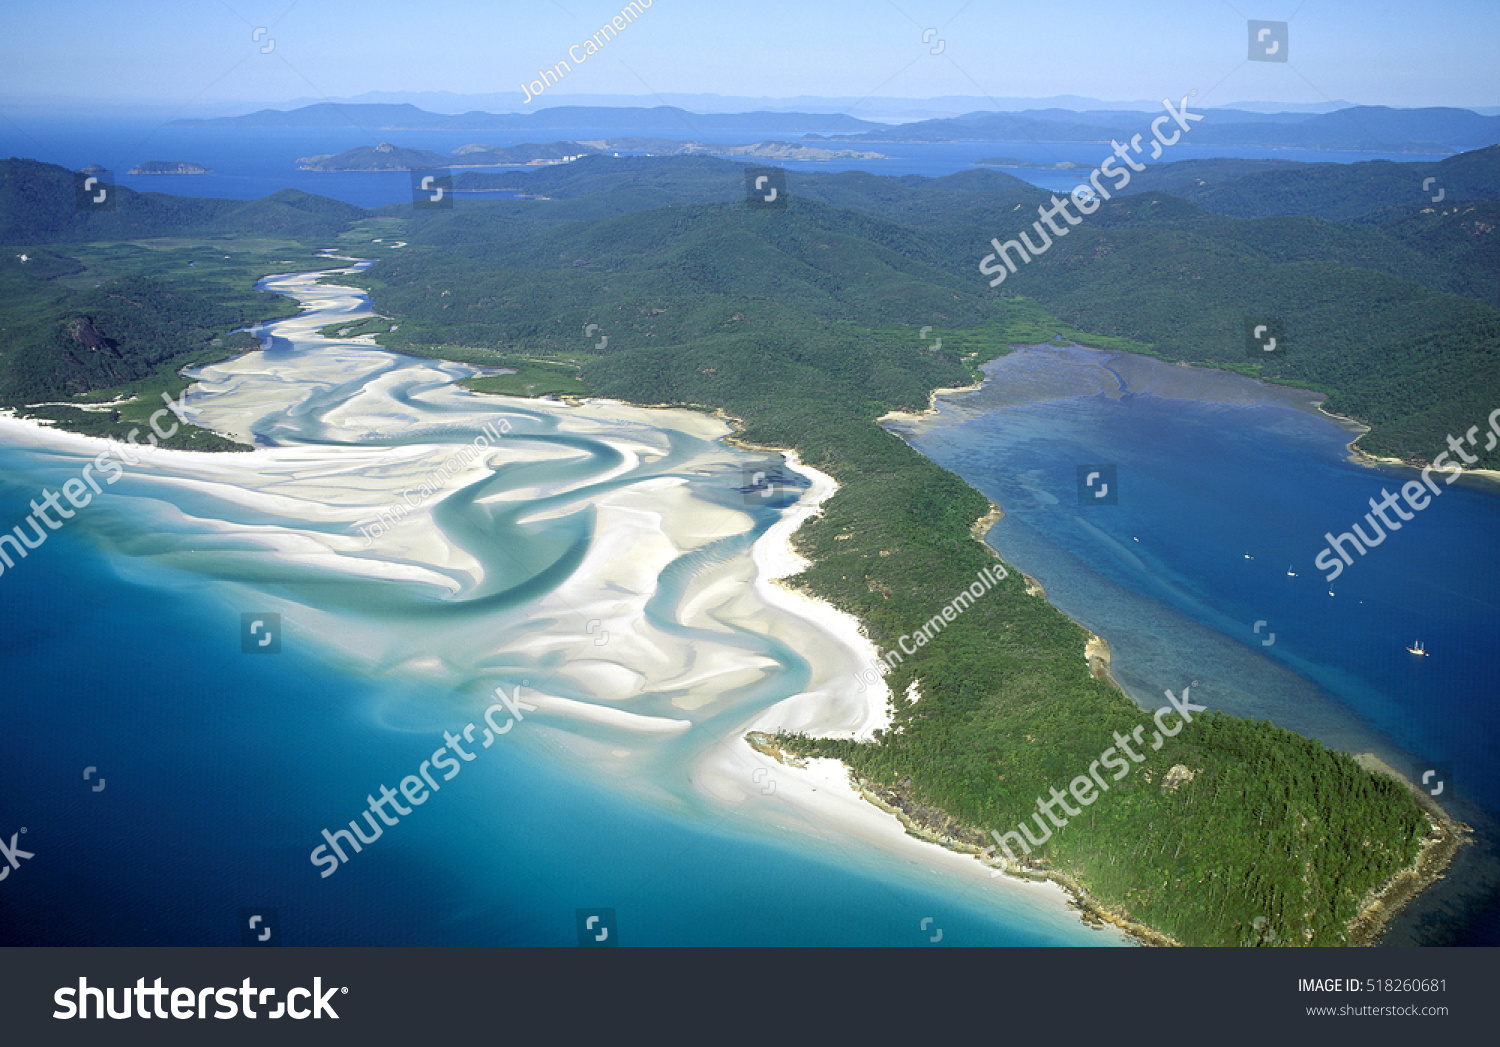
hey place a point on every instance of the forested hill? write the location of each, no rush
(1377, 307)
(1379, 313)
(805, 323)
(1340, 192)
(104, 300)
(38, 205)
(599, 186)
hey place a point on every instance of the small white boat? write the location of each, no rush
(1418, 649)
(1289, 572)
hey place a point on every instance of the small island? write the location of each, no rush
(388, 157)
(169, 167)
(758, 151)
(382, 157)
(526, 154)
(1010, 161)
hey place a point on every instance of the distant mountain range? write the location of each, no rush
(1354, 129)
(1357, 129)
(868, 107)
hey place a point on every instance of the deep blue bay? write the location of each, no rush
(1211, 469)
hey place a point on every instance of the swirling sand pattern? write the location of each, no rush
(598, 555)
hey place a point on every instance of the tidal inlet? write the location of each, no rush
(603, 579)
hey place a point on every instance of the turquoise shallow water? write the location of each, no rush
(1222, 490)
(121, 647)
(220, 769)
(121, 650)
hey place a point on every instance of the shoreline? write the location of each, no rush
(1433, 858)
(981, 526)
(944, 831)
(947, 835)
(912, 417)
(932, 825)
(826, 791)
(1359, 456)
(777, 560)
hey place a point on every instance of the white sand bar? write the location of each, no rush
(599, 553)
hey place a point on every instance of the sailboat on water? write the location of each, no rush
(1418, 649)
(1289, 572)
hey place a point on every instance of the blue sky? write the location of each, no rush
(202, 52)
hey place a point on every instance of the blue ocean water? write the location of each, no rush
(221, 767)
(1203, 569)
(220, 770)
(248, 164)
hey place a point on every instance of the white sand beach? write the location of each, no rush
(595, 552)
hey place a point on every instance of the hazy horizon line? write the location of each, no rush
(877, 109)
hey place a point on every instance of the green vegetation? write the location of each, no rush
(1372, 318)
(805, 325)
(1339, 192)
(532, 379)
(38, 206)
(382, 157)
(369, 325)
(90, 321)
(525, 153)
(1274, 840)
(1377, 312)
(65, 343)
